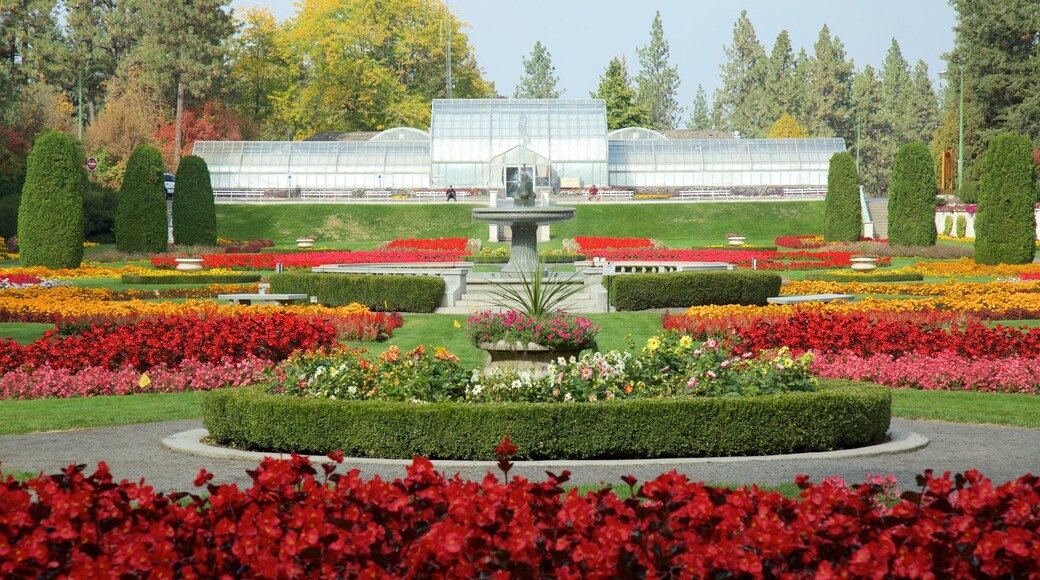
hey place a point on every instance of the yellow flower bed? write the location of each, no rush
(956, 239)
(967, 268)
(99, 301)
(90, 270)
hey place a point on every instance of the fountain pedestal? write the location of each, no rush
(524, 222)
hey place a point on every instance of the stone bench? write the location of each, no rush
(247, 299)
(810, 298)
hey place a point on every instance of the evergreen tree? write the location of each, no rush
(996, 45)
(188, 56)
(922, 106)
(1005, 224)
(538, 81)
(829, 87)
(657, 82)
(141, 214)
(739, 101)
(896, 87)
(911, 197)
(875, 135)
(50, 217)
(842, 216)
(699, 117)
(194, 214)
(616, 89)
(781, 95)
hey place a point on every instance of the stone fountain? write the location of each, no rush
(523, 219)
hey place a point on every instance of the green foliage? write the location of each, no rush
(911, 198)
(738, 102)
(502, 258)
(537, 296)
(194, 213)
(843, 216)
(876, 276)
(784, 86)
(948, 225)
(50, 217)
(9, 215)
(1005, 225)
(874, 139)
(700, 116)
(205, 278)
(828, 89)
(684, 289)
(99, 211)
(538, 81)
(141, 222)
(394, 293)
(658, 82)
(841, 414)
(962, 226)
(616, 89)
(969, 192)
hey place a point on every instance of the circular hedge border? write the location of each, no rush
(842, 414)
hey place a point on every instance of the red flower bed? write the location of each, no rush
(857, 333)
(590, 243)
(807, 241)
(449, 244)
(311, 259)
(292, 523)
(766, 259)
(19, 279)
(170, 340)
(702, 327)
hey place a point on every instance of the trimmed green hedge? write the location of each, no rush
(242, 278)
(391, 293)
(685, 289)
(865, 277)
(842, 414)
(50, 217)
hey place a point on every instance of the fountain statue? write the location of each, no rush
(523, 219)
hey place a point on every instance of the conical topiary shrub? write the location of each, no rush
(194, 215)
(911, 197)
(1005, 224)
(50, 215)
(141, 219)
(842, 217)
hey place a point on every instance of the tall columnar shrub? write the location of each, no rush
(962, 226)
(1005, 224)
(843, 218)
(948, 226)
(194, 215)
(141, 223)
(50, 216)
(911, 197)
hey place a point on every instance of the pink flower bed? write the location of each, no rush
(190, 375)
(943, 371)
(766, 259)
(311, 259)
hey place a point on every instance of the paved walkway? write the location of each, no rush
(136, 451)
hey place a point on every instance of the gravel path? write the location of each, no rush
(134, 452)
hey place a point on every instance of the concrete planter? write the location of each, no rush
(189, 264)
(304, 243)
(736, 240)
(529, 357)
(864, 263)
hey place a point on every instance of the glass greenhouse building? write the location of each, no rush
(489, 143)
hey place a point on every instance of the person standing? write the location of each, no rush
(593, 192)
(451, 194)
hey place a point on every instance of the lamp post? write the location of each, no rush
(857, 144)
(97, 74)
(960, 145)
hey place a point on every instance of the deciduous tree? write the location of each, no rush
(786, 127)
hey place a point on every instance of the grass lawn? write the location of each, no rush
(968, 407)
(24, 332)
(64, 414)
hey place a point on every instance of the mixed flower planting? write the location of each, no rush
(294, 521)
(667, 366)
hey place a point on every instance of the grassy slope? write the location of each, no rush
(23, 332)
(688, 223)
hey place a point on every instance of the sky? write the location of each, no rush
(583, 35)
